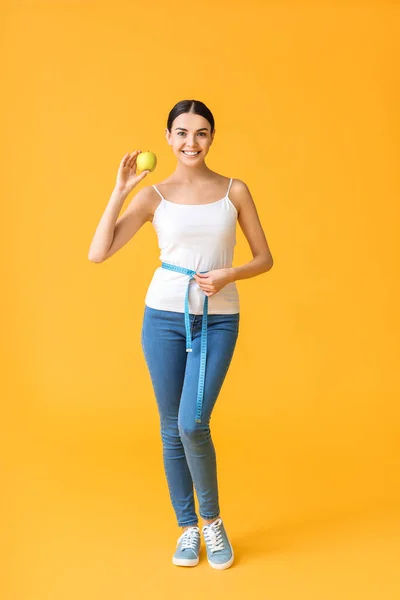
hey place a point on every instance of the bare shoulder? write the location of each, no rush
(240, 195)
(148, 199)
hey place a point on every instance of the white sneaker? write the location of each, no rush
(219, 549)
(187, 548)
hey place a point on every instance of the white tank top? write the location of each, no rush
(200, 237)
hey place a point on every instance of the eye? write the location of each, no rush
(183, 133)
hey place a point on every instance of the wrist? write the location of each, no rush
(232, 274)
(120, 192)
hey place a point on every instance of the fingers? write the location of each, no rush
(205, 287)
(133, 157)
(143, 175)
(130, 158)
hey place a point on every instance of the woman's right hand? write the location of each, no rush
(126, 177)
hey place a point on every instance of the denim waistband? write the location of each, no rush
(203, 354)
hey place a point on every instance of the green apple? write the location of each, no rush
(146, 161)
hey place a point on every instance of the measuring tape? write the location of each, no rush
(203, 355)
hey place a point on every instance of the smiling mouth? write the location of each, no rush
(191, 153)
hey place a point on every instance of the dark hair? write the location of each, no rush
(193, 106)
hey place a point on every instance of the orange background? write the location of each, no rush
(306, 428)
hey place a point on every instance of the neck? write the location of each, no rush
(192, 174)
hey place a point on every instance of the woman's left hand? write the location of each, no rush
(213, 281)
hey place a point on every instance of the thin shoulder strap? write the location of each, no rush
(159, 193)
(229, 187)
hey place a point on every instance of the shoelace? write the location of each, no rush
(189, 538)
(213, 536)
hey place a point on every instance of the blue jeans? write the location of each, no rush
(188, 451)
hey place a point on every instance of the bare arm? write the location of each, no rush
(251, 226)
(111, 234)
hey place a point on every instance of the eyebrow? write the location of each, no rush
(183, 129)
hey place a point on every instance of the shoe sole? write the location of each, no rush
(185, 562)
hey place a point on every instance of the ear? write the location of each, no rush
(212, 137)
(168, 136)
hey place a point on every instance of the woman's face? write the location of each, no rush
(190, 134)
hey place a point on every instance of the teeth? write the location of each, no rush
(190, 153)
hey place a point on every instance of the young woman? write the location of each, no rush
(191, 315)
